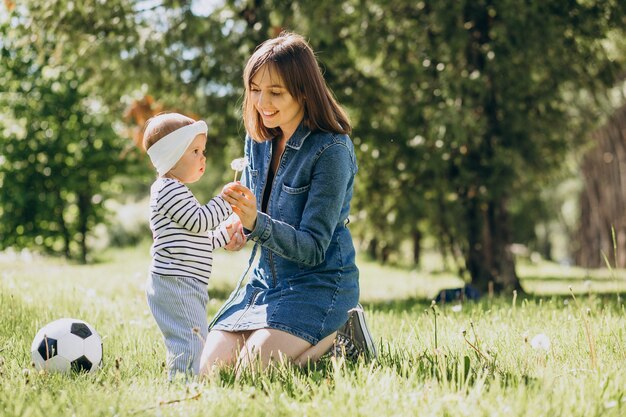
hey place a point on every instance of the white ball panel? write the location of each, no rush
(37, 340)
(57, 363)
(54, 329)
(70, 346)
(37, 360)
(93, 349)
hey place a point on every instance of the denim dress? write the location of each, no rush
(306, 279)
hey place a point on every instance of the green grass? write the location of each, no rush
(478, 362)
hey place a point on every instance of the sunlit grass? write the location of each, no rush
(482, 362)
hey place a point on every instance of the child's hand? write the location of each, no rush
(243, 202)
(231, 229)
(237, 237)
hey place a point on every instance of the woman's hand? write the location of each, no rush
(243, 202)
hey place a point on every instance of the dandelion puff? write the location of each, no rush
(540, 342)
(457, 308)
(239, 164)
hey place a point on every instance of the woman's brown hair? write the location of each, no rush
(293, 59)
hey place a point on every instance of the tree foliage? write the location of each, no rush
(476, 102)
(59, 150)
(462, 110)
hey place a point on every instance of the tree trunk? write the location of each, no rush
(602, 222)
(417, 247)
(65, 233)
(84, 206)
(489, 257)
(372, 249)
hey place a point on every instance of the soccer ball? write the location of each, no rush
(67, 344)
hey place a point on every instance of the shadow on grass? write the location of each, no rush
(574, 279)
(419, 304)
(397, 305)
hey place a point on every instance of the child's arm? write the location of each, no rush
(222, 235)
(177, 202)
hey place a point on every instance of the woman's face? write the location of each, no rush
(276, 106)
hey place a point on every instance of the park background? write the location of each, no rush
(491, 142)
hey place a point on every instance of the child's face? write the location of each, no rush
(277, 107)
(190, 166)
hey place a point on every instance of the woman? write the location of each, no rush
(300, 178)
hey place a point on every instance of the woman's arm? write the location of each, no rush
(331, 179)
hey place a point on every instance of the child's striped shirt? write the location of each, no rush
(182, 230)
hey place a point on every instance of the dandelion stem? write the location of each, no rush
(162, 403)
(476, 340)
(590, 341)
(432, 306)
(196, 331)
(475, 348)
(608, 264)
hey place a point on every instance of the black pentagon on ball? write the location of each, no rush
(81, 330)
(81, 364)
(47, 348)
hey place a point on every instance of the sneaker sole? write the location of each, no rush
(366, 333)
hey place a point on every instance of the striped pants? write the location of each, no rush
(178, 305)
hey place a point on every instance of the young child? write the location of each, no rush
(184, 239)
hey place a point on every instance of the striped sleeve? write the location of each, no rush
(176, 202)
(219, 237)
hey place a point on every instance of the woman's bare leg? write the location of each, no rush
(315, 352)
(221, 349)
(265, 345)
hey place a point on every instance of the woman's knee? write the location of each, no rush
(266, 345)
(220, 349)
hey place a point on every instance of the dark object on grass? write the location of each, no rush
(454, 294)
